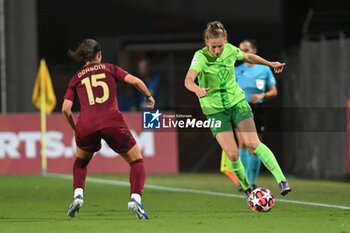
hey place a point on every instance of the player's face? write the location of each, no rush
(246, 47)
(216, 46)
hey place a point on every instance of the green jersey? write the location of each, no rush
(218, 74)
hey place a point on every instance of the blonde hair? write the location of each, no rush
(214, 30)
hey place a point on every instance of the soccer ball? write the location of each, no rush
(261, 200)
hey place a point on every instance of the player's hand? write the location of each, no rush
(151, 102)
(256, 97)
(277, 66)
(202, 92)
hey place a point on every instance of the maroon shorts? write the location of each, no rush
(118, 138)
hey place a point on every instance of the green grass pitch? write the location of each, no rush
(39, 204)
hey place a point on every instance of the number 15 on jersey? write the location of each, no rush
(95, 82)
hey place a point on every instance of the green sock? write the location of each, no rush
(269, 161)
(238, 168)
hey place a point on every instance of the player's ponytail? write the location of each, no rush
(214, 30)
(86, 51)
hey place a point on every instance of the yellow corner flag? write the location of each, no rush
(225, 168)
(44, 99)
(43, 85)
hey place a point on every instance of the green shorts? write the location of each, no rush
(235, 114)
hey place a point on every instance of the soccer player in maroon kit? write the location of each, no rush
(100, 118)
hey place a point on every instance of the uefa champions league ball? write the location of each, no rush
(261, 200)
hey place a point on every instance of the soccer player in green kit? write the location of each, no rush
(221, 98)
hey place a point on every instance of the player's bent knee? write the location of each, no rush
(135, 157)
(85, 155)
(232, 155)
(252, 145)
(241, 145)
(132, 155)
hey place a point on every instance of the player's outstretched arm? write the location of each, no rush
(192, 86)
(255, 59)
(140, 85)
(67, 112)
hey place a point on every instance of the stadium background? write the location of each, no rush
(307, 126)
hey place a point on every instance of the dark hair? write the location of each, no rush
(86, 51)
(252, 42)
(214, 30)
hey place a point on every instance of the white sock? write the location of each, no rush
(78, 191)
(137, 197)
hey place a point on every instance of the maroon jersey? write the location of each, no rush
(95, 85)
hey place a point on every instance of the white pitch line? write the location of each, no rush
(172, 189)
